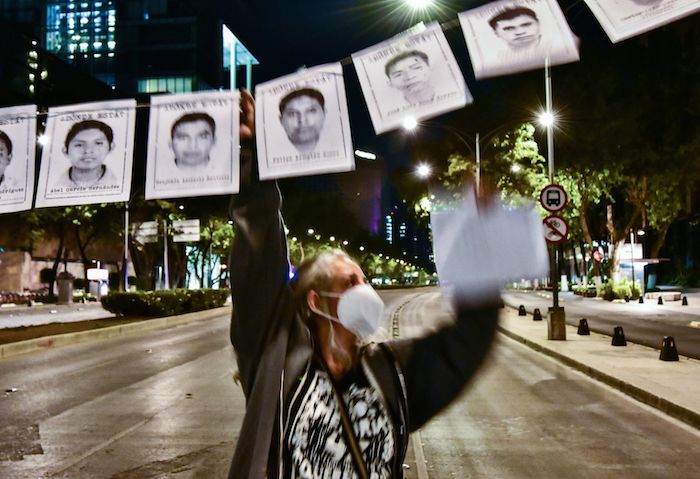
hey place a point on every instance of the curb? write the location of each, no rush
(49, 342)
(685, 415)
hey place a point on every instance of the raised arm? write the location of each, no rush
(259, 261)
(436, 368)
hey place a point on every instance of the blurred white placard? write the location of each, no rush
(511, 36)
(302, 124)
(89, 155)
(193, 145)
(622, 19)
(478, 251)
(413, 75)
(185, 231)
(17, 147)
(146, 232)
(97, 274)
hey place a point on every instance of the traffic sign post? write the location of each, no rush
(553, 198)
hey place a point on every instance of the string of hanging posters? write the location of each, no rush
(302, 120)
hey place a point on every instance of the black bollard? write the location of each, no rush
(521, 311)
(627, 299)
(685, 301)
(618, 338)
(641, 299)
(668, 350)
(536, 315)
(583, 327)
(660, 301)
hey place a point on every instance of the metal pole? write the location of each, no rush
(126, 246)
(478, 164)
(166, 277)
(557, 317)
(632, 258)
(550, 126)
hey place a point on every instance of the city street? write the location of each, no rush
(163, 404)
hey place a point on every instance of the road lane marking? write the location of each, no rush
(68, 463)
(421, 468)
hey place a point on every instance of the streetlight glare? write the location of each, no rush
(546, 118)
(310, 231)
(410, 123)
(515, 168)
(424, 170)
(419, 4)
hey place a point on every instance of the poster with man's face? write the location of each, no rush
(193, 145)
(511, 36)
(302, 124)
(622, 19)
(88, 155)
(413, 75)
(17, 148)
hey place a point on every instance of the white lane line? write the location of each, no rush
(421, 468)
(68, 463)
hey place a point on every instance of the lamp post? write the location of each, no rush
(556, 322)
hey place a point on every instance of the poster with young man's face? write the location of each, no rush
(17, 147)
(302, 124)
(622, 19)
(193, 145)
(413, 75)
(88, 154)
(511, 36)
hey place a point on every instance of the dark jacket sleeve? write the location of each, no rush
(259, 267)
(437, 367)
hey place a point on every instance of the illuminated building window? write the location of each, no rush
(169, 84)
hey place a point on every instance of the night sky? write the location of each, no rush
(286, 35)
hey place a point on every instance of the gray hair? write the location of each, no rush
(315, 274)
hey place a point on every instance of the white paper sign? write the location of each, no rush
(477, 252)
(17, 150)
(302, 124)
(193, 145)
(413, 75)
(89, 156)
(622, 19)
(185, 231)
(145, 232)
(511, 36)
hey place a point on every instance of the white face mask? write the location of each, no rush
(360, 310)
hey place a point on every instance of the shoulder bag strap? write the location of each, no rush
(348, 431)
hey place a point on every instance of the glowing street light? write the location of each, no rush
(310, 231)
(515, 168)
(546, 119)
(424, 170)
(332, 238)
(409, 123)
(418, 4)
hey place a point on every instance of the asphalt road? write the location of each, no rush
(645, 324)
(163, 404)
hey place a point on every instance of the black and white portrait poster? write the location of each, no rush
(622, 19)
(302, 124)
(511, 36)
(17, 149)
(193, 145)
(89, 154)
(410, 76)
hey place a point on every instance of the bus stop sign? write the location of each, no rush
(553, 198)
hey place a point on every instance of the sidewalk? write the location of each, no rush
(672, 387)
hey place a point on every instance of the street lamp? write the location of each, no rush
(424, 170)
(418, 4)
